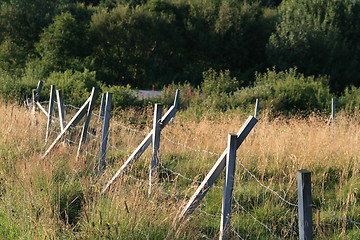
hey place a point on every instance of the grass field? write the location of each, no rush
(59, 197)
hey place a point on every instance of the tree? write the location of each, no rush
(319, 37)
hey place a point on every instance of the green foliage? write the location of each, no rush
(14, 88)
(62, 44)
(350, 100)
(319, 37)
(122, 96)
(76, 86)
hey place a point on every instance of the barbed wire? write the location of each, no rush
(335, 216)
(255, 219)
(208, 214)
(185, 146)
(266, 187)
(130, 129)
(236, 233)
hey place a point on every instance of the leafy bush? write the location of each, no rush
(350, 100)
(122, 96)
(76, 86)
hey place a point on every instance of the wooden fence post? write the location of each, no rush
(102, 107)
(38, 91)
(228, 187)
(305, 204)
(105, 132)
(155, 145)
(61, 109)
(333, 109)
(257, 106)
(215, 171)
(87, 120)
(51, 106)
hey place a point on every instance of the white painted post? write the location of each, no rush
(155, 145)
(51, 106)
(257, 106)
(305, 204)
(105, 132)
(61, 109)
(228, 188)
(33, 101)
(102, 107)
(215, 171)
(87, 120)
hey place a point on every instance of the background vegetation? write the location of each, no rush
(140, 43)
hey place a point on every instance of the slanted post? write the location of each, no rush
(155, 145)
(87, 120)
(105, 132)
(305, 204)
(50, 110)
(61, 109)
(228, 187)
(102, 107)
(257, 106)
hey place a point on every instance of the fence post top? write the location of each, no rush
(302, 171)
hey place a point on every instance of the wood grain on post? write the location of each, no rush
(105, 132)
(228, 187)
(155, 145)
(305, 204)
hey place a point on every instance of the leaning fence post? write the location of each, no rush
(228, 187)
(87, 120)
(102, 107)
(105, 132)
(61, 109)
(51, 106)
(305, 204)
(257, 106)
(155, 145)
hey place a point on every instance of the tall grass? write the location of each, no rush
(59, 197)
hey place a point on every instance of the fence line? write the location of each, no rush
(193, 180)
(334, 216)
(255, 219)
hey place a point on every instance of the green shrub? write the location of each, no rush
(293, 92)
(76, 86)
(122, 96)
(350, 100)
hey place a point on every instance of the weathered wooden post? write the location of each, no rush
(215, 171)
(60, 104)
(305, 204)
(228, 187)
(257, 106)
(102, 107)
(333, 109)
(87, 120)
(155, 145)
(105, 131)
(50, 111)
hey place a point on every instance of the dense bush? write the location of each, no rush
(76, 86)
(319, 37)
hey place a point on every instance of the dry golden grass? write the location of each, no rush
(42, 193)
